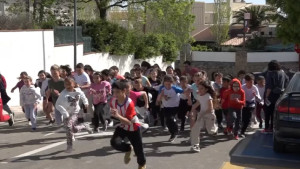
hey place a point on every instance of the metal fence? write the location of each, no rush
(65, 35)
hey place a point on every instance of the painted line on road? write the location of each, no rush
(228, 165)
(56, 145)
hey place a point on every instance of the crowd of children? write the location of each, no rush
(144, 96)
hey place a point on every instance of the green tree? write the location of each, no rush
(171, 17)
(104, 5)
(220, 29)
(287, 17)
(259, 15)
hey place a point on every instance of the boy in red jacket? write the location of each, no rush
(235, 97)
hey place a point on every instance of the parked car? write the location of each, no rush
(287, 116)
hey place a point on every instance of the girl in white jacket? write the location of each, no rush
(68, 105)
(30, 98)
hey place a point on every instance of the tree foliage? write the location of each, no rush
(288, 20)
(171, 17)
(259, 16)
(221, 18)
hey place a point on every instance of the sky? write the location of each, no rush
(248, 1)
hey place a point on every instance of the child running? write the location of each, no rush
(100, 90)
(235, 97)
(68, 105)
(261, 86)
(206, 117)
(122, 108)
(30, 98)
(169, 95)
(185, 101)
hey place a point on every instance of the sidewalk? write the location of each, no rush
(19, 115)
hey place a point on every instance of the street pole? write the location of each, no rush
(75, 33)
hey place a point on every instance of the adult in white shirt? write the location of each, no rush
(84, 82)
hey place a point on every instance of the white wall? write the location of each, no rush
(213, 56)
(20, 51)
(268, 56)
(32, 51)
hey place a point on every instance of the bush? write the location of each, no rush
(148, 46)
(202, 48)
(112, 38)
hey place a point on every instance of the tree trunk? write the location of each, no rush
(103, 13)
(34, 10)
(27, 9)
(41, 12)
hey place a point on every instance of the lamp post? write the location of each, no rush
(75, 33)
(247, 17)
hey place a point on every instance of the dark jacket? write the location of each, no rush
(276, 79)
(4, 96)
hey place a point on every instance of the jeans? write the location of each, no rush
(135, 138)
(30, 113)
(99, 114)
(234, 118)
(7, 109)
(58, 117)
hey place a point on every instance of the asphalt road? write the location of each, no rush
(44, 149)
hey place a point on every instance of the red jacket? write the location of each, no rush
(3, 81)
(230, 96)
(222, 96)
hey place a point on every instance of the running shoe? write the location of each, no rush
(142, 166)
(195, 148)
(172, 138)
(127, 156)
(11, 121)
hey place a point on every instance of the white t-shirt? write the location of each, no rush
(182, 95)
(203, 100)
(82, 79)
(261, 91)
(171, 96)
(43, 87)
(249, 93)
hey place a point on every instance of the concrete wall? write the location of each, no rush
(232, 62)
(34, 50)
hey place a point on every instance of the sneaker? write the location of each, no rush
(96, 130)
(88, 128)
(33, 129)
(195, 148)
(69, 149)
(29, 123)
(243, 135)
(11, 121)
(73, 138)
(127, 156)
(220, 127)
(144, 127)
(111, 123)
(165, 128)
(236, 137)
(172, 138)
(105, 125)
(142, 166)
(51, 122)
(267, 131)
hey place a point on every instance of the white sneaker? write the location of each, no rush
(88, 128)
(73, 138)
(195, 148)
(111, 124)
(69, 149)
(145, 127)
(29, 123)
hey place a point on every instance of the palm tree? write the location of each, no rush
(259, 15)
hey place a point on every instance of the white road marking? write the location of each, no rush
(80, 135)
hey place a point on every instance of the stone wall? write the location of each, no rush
(231, 63)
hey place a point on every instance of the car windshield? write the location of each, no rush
(294, 85)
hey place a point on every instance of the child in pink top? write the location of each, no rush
(100, 90)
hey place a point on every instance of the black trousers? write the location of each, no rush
(269, 116)
(219, 115)
(183, 109)
(98, 114)
(135, 138)
(170, 113)
(246, 118)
